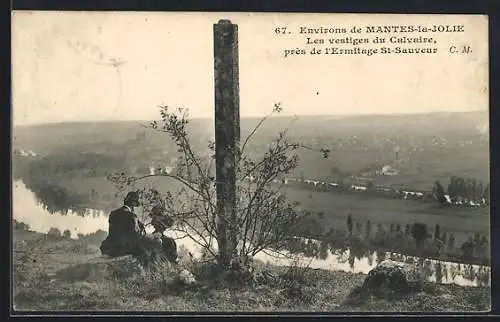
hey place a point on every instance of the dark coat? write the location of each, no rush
(123, 235)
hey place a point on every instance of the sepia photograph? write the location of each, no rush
(249, 162)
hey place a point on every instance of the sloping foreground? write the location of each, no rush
(69, 275)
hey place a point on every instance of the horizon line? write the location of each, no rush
(259, 117)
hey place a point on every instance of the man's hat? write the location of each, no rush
(132, 197)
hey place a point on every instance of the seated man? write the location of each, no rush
(124, 229)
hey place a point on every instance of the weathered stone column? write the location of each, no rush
(227, 133)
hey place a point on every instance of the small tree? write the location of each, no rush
(349, 224)
(451, 242)
(359, 228)
(479, 191)
(380, 234)
(437, 232)
(486, 193)
(444, 237)
(20, 225)
(477, 237)
(67, 234)
(54, 233)
(265, 219)
(452, 187)
(468, 251)
(407, 230)
(368, 230)
(419, 233)
(473, 189)
(439, 193)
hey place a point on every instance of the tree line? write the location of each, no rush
(74, 164)
(56, 234)
(411, 239)
(468, 188)
(417, 238)
(461, 190)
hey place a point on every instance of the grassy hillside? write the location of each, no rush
(39, 285)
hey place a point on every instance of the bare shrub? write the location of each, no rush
(54, 233)
(264, 216)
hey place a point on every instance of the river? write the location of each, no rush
(26, 209)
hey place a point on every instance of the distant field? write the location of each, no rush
(462, 221)
(336, 207)
(418, 170)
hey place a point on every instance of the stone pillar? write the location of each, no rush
(227, 133)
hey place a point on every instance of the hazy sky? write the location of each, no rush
(61, 69)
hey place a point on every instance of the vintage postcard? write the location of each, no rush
(245, 162)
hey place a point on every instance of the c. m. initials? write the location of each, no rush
(465, 49)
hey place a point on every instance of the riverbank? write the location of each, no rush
(332, 208)
(37, 258)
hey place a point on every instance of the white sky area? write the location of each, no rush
(61, 69)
